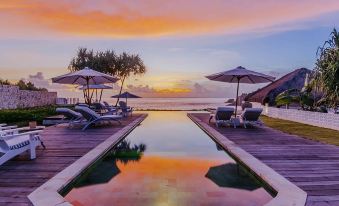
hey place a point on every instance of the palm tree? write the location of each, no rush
(327, 70)
(287, 97)
(100, 61)
(127, 65)
(122, 66)
(304, 98)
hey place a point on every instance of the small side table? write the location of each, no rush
(236, 121)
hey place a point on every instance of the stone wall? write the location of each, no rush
(11, 97)
(326, 120)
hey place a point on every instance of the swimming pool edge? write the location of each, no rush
(288, 194)
(49, 192)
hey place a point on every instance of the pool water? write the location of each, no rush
(168, 160)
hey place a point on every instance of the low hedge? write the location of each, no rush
(23, 116)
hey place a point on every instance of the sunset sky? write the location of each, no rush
(179, 41)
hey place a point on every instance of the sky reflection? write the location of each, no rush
(172, 170)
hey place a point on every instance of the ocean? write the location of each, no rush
(172, 103)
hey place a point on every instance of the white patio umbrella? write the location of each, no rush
(85, 77)
(240, 75)
(95, 87)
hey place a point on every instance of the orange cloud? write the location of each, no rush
(173, 90)
(117, 18)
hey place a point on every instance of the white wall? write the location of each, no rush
(11, 97)
(326, 120)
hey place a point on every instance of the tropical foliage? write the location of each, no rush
(323, 90)
(5, 82)
(326, 72)
(125, 152)
(120, 65)
(28, 86)
(305, 98)
(22, 85)
(287, 97)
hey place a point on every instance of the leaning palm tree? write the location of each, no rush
(326, 71)
(287, 97)
(304, 98)
(127, 65)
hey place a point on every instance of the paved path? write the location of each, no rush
(20, 176)
(312, 166)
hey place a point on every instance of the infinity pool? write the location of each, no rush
(168, 160)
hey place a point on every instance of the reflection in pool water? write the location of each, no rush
(176, 163)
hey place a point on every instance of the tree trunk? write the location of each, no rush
(122, 84)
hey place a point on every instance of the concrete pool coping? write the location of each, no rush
(49, 192)
(288, 194)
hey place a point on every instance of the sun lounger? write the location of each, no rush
(108, 105)
(6, 127)
(110, 108)
(224, 115)
(92, 117)
(125, 109)
(82, 104)
(251, 115)
(103, 109)
(96, 106)
(72, 116)
(13, 143)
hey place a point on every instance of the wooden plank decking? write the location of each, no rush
(20, 176)
(312, 166)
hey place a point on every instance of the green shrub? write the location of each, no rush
(23, 116)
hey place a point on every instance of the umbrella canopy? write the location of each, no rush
(95, 87)
(125, 95)
(86, 77)
(228, 175)
(240, 75)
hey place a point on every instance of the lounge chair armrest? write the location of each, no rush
(36, 132)
(11, 131)
(16, 130)
(8, 127)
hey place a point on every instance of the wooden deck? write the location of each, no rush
(20, 176)
(312, 166)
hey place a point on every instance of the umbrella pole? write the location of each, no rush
(84, 94)
(92, 95)
(126, 99)
(88, 100)
(100, 95)
(236, 100)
